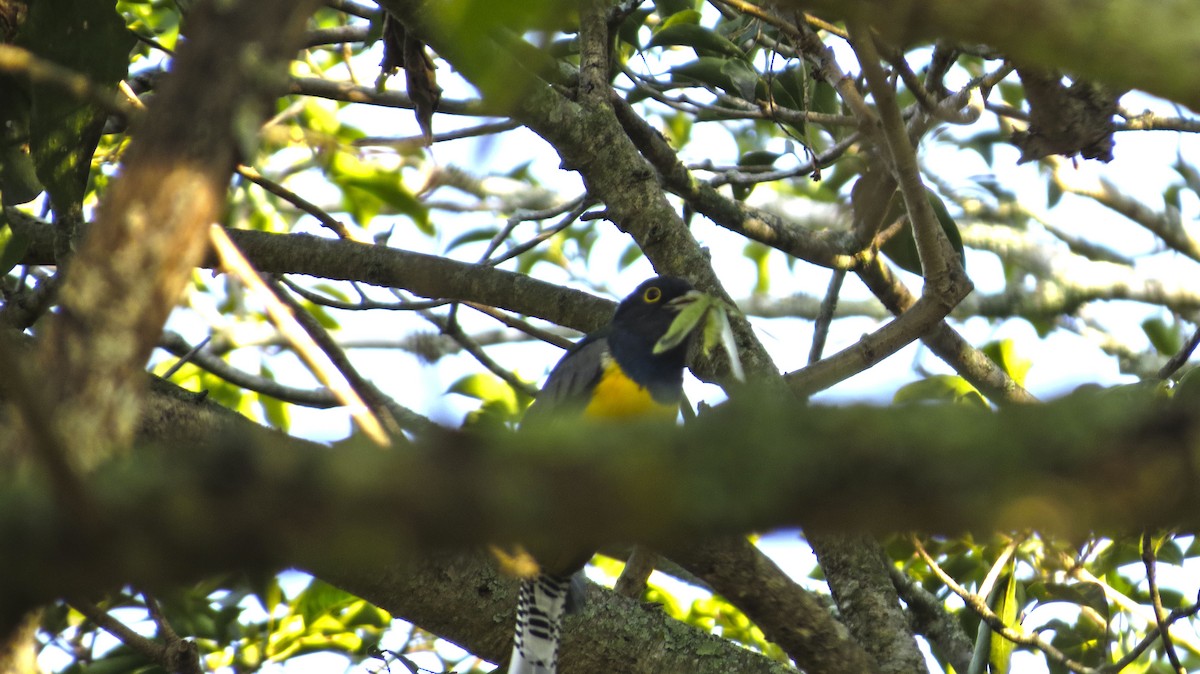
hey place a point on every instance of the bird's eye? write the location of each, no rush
(652, 294)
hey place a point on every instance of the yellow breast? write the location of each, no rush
(618, 397)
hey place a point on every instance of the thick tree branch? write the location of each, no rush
(461, 598)
(1051, 35)
(225, 498)
(152, 226)
(788, 615)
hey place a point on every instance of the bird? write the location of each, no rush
(612, 374)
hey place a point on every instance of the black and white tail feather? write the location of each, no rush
(541, 603)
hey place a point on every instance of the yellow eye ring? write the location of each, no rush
(652, 295)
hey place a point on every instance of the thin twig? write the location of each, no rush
(235, 263)
(371, 395)
(521, 325)
(174, 343)
(979, 605)
(365, 303)
(1160, 614)
(943, 274)
(177, 655)
(1151, 636)
(825, 317)
(406, 143)
(328, 221)
(567, 220)
(993, 574)
(1181, 356)
(186, 357)
(453, 330)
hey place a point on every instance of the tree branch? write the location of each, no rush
(1050, 35)
(1068, 467)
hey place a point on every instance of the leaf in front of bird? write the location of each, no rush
(718, 329)
(720, 314)
(713, 314)
(684, 324)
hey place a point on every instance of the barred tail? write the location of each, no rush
(540, 607)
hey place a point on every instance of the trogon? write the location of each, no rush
(612, 374)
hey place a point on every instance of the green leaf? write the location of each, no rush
(1003, 353)
(276, 412)
(488, 388)
(825, 98)
(940, 388)
(788, 86)
(1012, 93)
(668, 8)
(1166, 339)
(15, 246)
(91, 39)
(761, 255)
(18, 176)
(1087, 594)
(713, 315)
(1006, 607)
(632, 26)
(683, 325)
(758, 160)
(733, 76)
(902, 248)
(632, 254)
(318, 599)
(1187, 391)
(472, 236)
(703, 40)
(686, 17)
(367, 188)
(720, 314)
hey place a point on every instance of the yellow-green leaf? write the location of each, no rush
(1000, 656)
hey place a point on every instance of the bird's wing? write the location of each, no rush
(570, 384)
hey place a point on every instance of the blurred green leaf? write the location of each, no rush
(732, 76)
(15, 245)
(472, 236)
(368, 188)
(1187, 390)
(18, 176)
(685, 17)
(761, 256)
(668, 8)
(1004, 354)
(277, 412)
(703, 40)
(1166, 339)
(632, 254)
(825, 98)
(632, 26)
(1090, 595)
(91, 39)
(940, 388)
(902, 247)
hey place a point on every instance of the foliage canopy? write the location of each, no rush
(418, 191)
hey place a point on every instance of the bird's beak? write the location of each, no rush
(685, 299)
